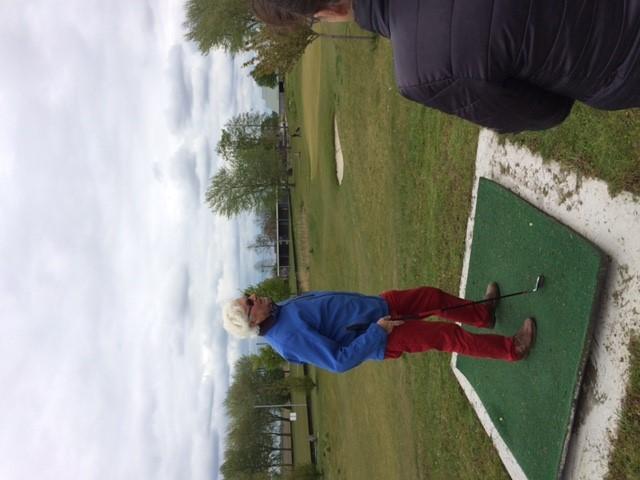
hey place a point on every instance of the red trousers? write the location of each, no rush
(420, 336)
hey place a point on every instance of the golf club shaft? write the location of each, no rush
(360, 327)
(418, 316)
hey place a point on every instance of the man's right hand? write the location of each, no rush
(388, 324)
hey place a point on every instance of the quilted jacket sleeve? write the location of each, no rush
(509, 106)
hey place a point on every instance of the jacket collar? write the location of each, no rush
(373, 15)
(269, 322)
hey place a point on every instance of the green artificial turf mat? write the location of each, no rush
(531, 402)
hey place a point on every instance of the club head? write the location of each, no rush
(539, 283)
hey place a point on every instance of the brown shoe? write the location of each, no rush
(525, 338)
(493, 291)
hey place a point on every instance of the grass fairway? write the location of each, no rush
(399, 220)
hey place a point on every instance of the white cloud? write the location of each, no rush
(181, 98)
(112, 360)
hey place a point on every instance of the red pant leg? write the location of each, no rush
(421, 336)
(422, 299)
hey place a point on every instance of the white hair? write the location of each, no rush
(236, 321)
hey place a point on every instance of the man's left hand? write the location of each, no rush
(388, 324)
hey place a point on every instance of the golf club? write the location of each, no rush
(359, 327)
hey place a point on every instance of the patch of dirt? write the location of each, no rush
(589, 395)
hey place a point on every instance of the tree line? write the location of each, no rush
(232, 26)
(255, 161)
(253, 174)
(254, 448)
(253, 169)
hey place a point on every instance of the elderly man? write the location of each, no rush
(509, 65)
(318, 327)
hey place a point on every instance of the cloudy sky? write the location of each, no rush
(112, 361)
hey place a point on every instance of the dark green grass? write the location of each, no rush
(531, 402)
(596, 143)
(625, 461)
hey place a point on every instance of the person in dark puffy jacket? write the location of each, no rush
(508, 65)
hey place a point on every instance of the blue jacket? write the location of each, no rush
(311, 328)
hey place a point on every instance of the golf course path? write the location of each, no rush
(611, 223)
